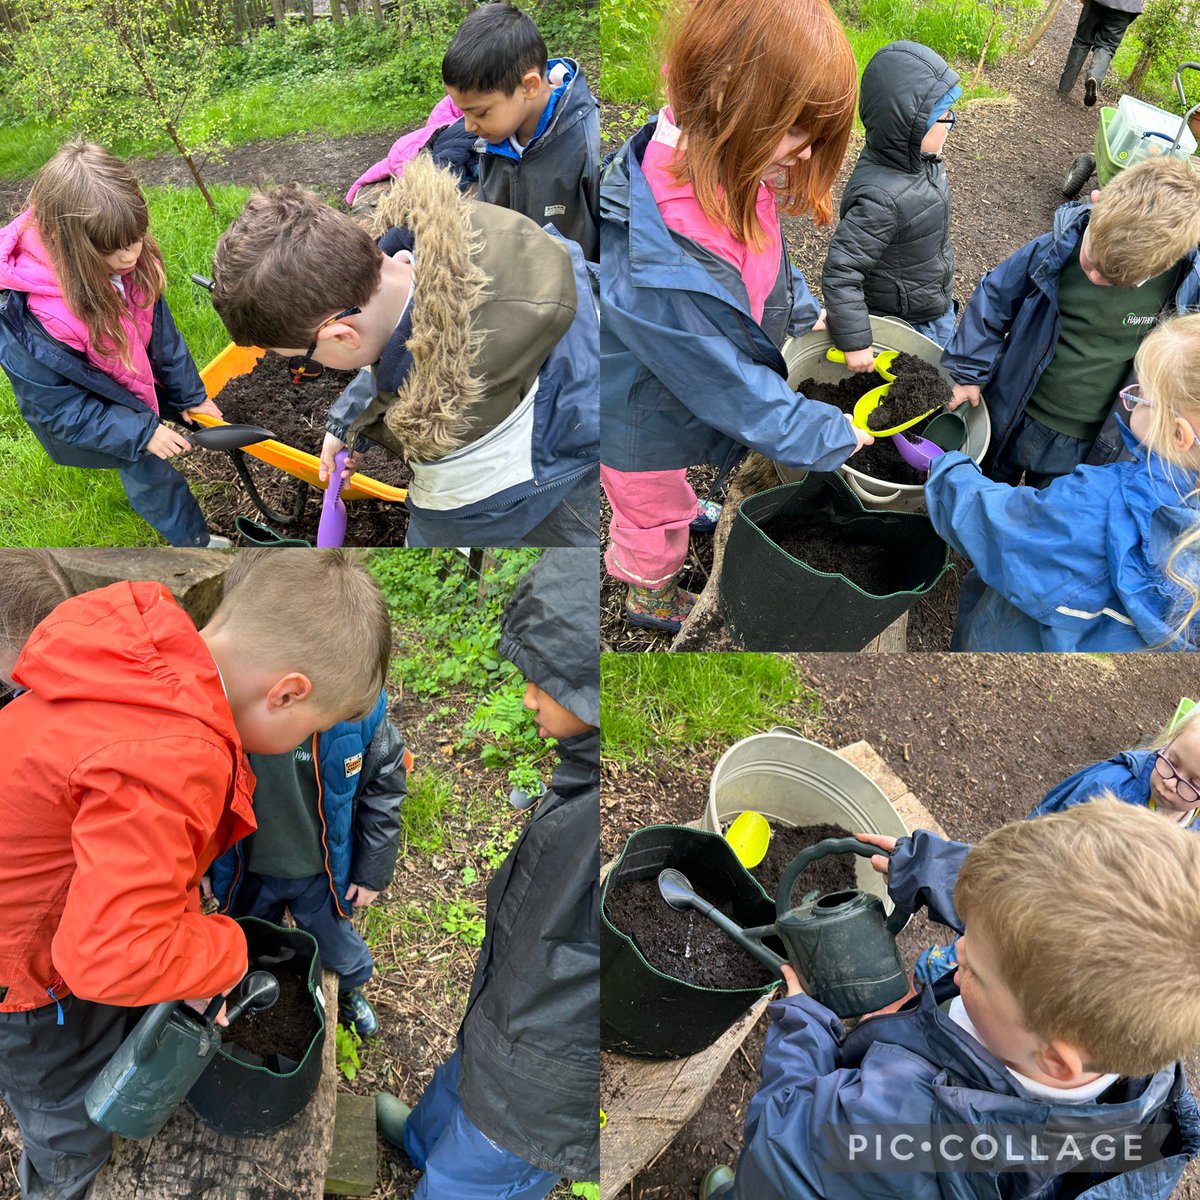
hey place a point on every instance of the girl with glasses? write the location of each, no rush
(1106, 558)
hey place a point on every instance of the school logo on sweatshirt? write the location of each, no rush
(353, 765)
(555, 210)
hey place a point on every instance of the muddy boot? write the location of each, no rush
(714, 1182)
(1089, 91)
(1074, 64)
(663, 608)
(391, 1115)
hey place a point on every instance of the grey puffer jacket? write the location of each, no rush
(890, 253)
(530, 1038)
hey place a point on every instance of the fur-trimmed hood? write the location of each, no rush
(493, 293)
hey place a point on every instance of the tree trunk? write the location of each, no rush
(987, 41)
(352, 7)
(377, 9)
(278, 11)
(1140, 69)
(1039, 30)
(335, 11)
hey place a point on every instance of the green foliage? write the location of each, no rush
(423, 813)
(496, 849)
(42, 504)
(456, 628)
(632, 54)
(462, 918)
(348, 1041)
(589, 1191)
(1164, 36)
(655, 701)
(119, 69)
(509, 736)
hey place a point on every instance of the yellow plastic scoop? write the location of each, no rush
(883, 361)
(869, 402)
(749, 835)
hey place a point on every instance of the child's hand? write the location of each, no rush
(864, 439)
(206, 892)
(208, 408)
(200, 1005)
(360, 896)
(792, 980)
(964, 393)
(166, 443)
(887, 844)
(329, 448)
(860, 361)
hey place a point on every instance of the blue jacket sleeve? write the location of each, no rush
(923, 872)
(377, 809)
(971, 354)
(805, 1092)
(76, 416)
(1119, 775)
(1026, 543)
(743, 399)
(175, 370)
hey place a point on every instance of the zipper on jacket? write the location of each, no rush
(58, 1004)
(337, 900)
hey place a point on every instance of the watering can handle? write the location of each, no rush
(150, 1028)
(847, 845)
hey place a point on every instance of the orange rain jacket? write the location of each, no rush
(123, 780)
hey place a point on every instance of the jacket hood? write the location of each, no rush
(24, 261)
(900, 86)
(551, 629)
(127, 630)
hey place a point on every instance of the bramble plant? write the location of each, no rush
(347, 1043)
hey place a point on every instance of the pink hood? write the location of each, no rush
(407, 147)
(25, 266)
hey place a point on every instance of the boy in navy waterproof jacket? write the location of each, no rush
(1047, 1067)
(538, 125)
(1050, 335)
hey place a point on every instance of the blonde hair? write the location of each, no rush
(1094, 918)
(86, 204)
(319, 612)
(1145, 221)
(1170, 732)
(741, 74)
(1167, 366)
(32, 585)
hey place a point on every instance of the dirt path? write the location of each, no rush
(978, 738)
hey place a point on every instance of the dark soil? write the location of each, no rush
(295, 412)
(978, 738)
(917, 388)
(833, 873)
(813, 543)
(845, 393)
(684, 945)
(287, 1028)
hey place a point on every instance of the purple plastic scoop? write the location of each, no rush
(918, 452)
(332, 529)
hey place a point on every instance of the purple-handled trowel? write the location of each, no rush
(332, 529)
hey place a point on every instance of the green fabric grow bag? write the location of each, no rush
(243, 1094)
(642, 1010)
(772, 601)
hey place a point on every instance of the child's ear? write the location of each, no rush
(1060, 1061)
(347, 335)
(531, 84)
(289, 689)
(1183, 435)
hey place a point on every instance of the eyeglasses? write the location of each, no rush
(304, 366)
(950, 118)
(1132, 396)
(1165, 769)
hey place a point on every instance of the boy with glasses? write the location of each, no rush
(1051, 333)
(475, 339)
(891, 253)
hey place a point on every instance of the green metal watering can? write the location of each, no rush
(841, 944)
(166, 1052)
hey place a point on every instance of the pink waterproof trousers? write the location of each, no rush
(648, 535)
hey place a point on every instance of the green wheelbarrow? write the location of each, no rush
(1131, 132)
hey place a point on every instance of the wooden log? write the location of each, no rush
(650, 1100)
(189, 1160)
(352, 1163)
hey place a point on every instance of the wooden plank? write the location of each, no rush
(189, 1160)
(648, 1101)
(893, 640)
(352, 1164)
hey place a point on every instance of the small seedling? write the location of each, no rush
(348, 1042)
(462, 919)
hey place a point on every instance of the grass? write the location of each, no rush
(422, 815)
(666, 703)
(42, 504)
